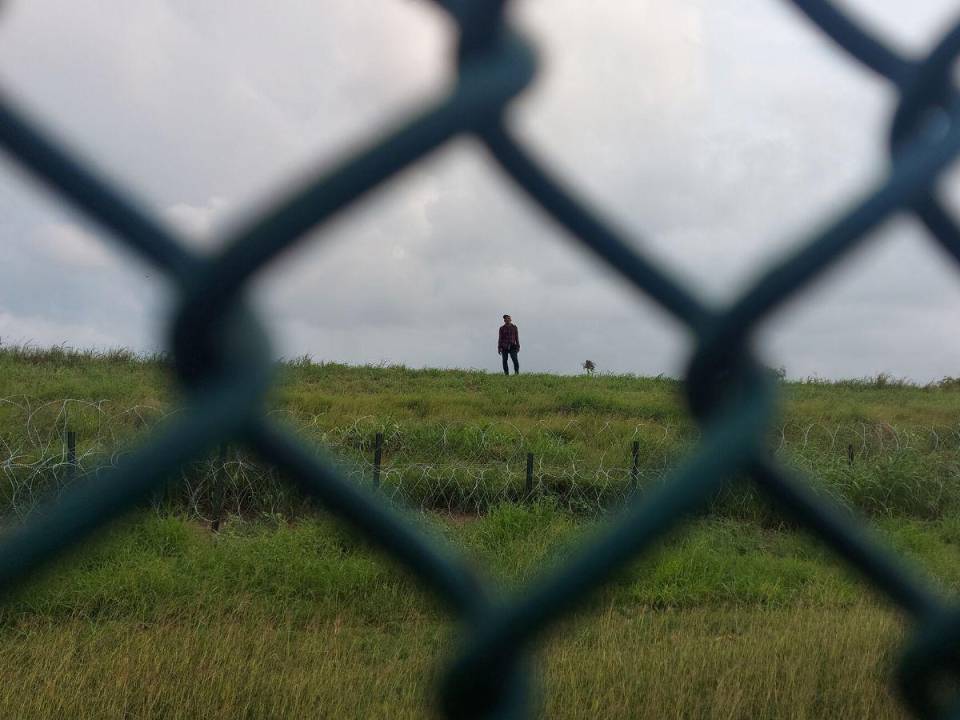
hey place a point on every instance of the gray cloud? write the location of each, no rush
(717, 135)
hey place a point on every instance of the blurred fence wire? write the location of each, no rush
(222, 357)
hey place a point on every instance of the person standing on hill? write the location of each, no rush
(509, 345)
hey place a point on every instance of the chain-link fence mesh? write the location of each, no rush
(223, 360)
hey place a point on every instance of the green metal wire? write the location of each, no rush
(223, 358)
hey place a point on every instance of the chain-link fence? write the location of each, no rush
(223, 360)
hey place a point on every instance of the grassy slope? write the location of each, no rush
(740, 663)
(162, 619)
(905, 438)
(585, 417)
(159, 618)
(684, 664)
(145, 567)
(343, 393)
(337, 395)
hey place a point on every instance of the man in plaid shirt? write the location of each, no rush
(509, 345)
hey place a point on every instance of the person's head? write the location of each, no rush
(506, 319)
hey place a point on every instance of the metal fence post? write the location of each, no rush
(377, 456)
(850, 454)
(529, 475)
(218, 489)
(71, 454)
(635, 468)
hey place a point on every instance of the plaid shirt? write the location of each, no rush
(509, 337)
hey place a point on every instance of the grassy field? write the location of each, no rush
(285, 614)
(457, 440)
(694, 664)
(161, 618)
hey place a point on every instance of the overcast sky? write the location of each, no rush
(717, 134)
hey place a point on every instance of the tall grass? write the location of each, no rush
(285, 614)
(160, 618)
(150, 569)
(456, 440)
(798, 663)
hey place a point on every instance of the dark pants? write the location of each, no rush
(513, 356)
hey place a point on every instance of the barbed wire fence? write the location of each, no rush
(589, 466)
(222, 358)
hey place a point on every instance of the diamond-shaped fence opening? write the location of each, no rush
(222, 358)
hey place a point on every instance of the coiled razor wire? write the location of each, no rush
(581, 465)
(223, 361)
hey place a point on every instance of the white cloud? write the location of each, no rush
(42, 332)
(69, 244)
(201, 223)
(718, 135)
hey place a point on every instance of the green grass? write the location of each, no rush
(161, 618)
(747, 663)
(342, 393)
(285, 614)
(146, 567)
(457, 440)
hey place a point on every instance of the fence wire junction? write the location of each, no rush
(223, 359)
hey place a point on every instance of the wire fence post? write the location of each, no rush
(71, 441)
(635, 468)
(377, 456)
(218, 489)
(850, 454)
(529, 475)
